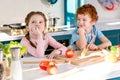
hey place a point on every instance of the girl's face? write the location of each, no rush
(85, 22)
(36, 22)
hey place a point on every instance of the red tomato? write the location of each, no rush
(44, 64)
(52, 69)
(118, 45)
(69, 53)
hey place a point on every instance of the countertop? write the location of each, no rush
(103, 26)
(98, 71)
(6, 37)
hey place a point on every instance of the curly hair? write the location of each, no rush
(88, 9)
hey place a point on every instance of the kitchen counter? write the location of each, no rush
(103, 26)
(33, 72)
(98, 71)
(108, 26)
(6, 37)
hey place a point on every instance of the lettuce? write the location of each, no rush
(6, 48)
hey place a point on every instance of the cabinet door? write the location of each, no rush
(112, 35)
(61, 38)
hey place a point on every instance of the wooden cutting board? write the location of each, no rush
(77, 60)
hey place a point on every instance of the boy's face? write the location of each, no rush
(85, 22)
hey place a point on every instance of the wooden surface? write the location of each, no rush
(37, 62)
(92, 57)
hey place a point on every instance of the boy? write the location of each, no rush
(86, 32)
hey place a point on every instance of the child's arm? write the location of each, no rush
(81, 42)
(105, 42)
(38, 51)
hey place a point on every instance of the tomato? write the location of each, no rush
(118, 45)
(69, 53)
(49, 66)
(52, 68)
(44, 63)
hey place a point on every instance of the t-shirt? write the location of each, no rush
(94, 31)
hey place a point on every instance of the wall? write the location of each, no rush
(14, 11)
(105, 15)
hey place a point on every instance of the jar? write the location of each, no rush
(16, 68)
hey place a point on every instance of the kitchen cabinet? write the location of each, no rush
(6, 42)
(112, 35)
(63, 37)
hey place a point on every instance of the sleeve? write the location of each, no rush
(74, 37)
(55, 44)
(98, 33)
(36, 52)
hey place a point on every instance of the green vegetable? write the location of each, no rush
(6, 48)
(2, 45)
(113, 49)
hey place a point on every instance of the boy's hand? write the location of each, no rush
(92, 47)
(81, 31)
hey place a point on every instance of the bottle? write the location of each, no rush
(15, 67)
(1, 55)
(2, 70)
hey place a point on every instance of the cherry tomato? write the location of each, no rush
(69, 53)
(44, 64)
(118, 45)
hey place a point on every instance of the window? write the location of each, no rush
(70, 10)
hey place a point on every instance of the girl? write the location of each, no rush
(37, 39)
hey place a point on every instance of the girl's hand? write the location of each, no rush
(36, 32)
(92, 47)
(53, 54)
